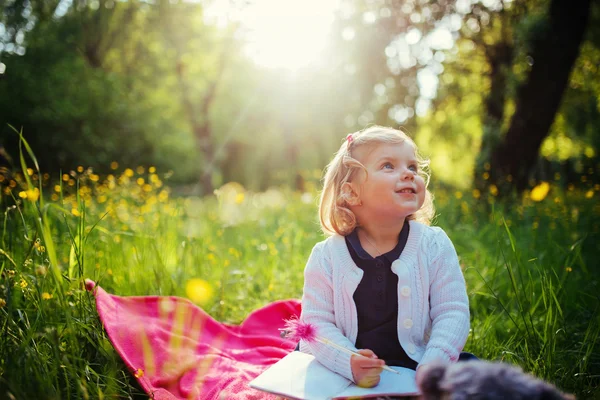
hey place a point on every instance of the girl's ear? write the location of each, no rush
(350, 194)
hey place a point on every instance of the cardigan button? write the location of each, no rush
(411, 348)
(408, 323)
(405, 291)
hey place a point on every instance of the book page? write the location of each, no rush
(390, 385)
(300, 376)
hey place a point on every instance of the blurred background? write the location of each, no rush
(500, 95)
(135, 112)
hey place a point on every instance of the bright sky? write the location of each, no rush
(287, 34)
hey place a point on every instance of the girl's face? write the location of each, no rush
(393, 188)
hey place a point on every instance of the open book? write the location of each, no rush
(300, 376)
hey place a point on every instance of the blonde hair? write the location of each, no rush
(334, 214)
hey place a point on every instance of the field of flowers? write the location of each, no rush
(531, 268)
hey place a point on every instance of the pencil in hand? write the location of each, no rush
(295, 329)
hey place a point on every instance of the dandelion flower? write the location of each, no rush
(540, 192)
(198, 290)
(494, 190)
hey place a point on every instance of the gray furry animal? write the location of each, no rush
(481, 380)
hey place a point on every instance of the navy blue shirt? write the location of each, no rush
(376, 299)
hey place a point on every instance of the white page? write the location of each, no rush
(299, 375)
(390, 384)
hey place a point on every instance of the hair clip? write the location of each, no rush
(349, 138)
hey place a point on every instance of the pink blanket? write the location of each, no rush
(177, 351)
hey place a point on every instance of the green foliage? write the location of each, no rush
(127, 81)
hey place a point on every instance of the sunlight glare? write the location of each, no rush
(288, 34)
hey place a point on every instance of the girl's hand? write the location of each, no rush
(366, 368)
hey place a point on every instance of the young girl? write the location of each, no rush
(384, 282)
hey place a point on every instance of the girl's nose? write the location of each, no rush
(407, 174)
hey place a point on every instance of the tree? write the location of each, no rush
(554, 52)
(189, 41)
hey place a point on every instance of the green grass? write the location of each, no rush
(531, 270)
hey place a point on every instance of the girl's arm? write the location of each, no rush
(448, 303)
(317, 309)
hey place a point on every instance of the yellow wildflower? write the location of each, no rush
(30, 194)
(128, 172)
(75, 212)
(476, 193)
(589, 194)
(239, 198)
(540, 192)
(494, 190)
(2, 303)
(23, 283)
(163, 196)
(152, 170)
(198, 290)
(114, 165)
(46, 296)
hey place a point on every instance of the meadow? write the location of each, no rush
(531, 265)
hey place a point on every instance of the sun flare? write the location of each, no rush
(288, 34)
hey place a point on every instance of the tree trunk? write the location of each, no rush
(538, 99)
(500, 58)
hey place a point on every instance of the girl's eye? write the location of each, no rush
(413, 167)
(387, 165)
